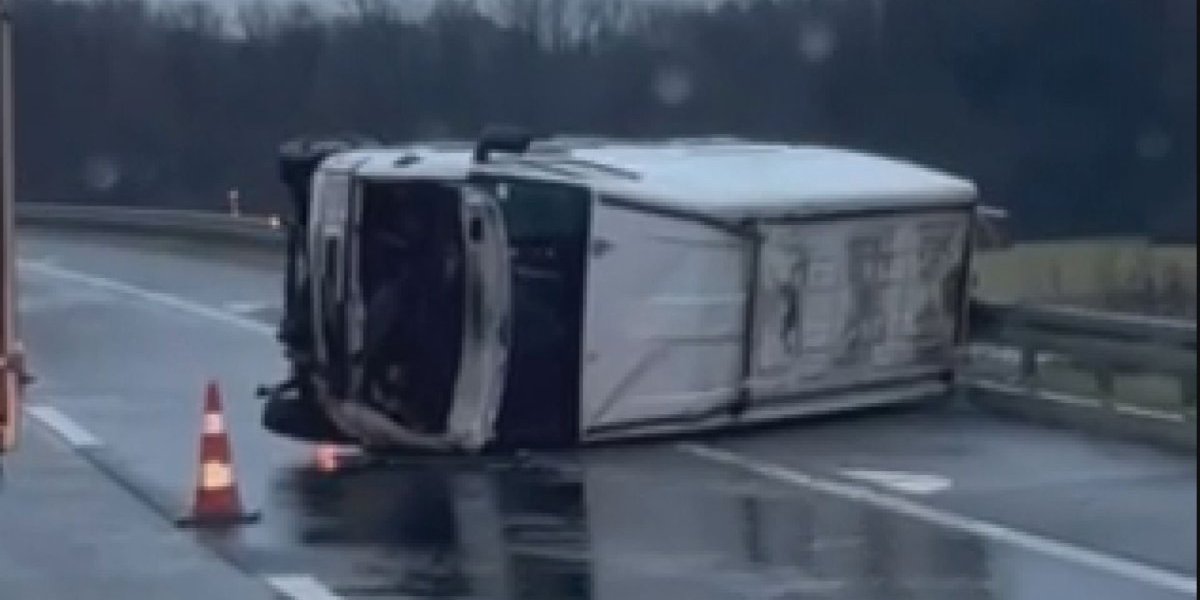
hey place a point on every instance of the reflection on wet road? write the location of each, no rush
(644, 521)
(446, 529)
(627, 525)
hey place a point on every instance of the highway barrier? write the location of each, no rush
(1116, 374)
(265, 230)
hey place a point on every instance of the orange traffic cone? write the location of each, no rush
(216, 499)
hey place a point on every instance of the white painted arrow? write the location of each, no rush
(909, 483)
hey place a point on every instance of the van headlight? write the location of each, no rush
(331, 201)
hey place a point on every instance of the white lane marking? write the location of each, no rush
(64, 426)
(1149, 413)
(245, 307)
(300, 587)
(147, 295)
(1063, 551)
(902, 481)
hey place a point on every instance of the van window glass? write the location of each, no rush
(537, 211)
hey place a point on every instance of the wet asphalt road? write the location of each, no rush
(123, 334)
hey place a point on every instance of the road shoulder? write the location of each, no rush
(68, 532)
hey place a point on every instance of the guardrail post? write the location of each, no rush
(1188, 395)
(1029, 363)
(1106, 385)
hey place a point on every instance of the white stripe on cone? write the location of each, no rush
(213, 424)
(215, 476)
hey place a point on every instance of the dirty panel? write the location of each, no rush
(855, 300)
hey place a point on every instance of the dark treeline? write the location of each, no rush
(1078, 115)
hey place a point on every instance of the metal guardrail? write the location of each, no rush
(249, 229)
(1016, 353)
(1117, 373)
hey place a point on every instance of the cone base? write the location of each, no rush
(193, 521)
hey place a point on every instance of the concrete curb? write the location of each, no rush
(1170, 431)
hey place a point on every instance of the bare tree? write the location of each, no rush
(1067, 112)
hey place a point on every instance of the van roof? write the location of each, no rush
(717, 176)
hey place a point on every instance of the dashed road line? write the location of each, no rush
(300, 587)
(62, 425)
(292, 586)
(902, 481)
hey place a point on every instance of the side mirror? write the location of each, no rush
(991, 228)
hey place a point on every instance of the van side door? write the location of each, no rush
(486, 321)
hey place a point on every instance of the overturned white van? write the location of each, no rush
(520, 292)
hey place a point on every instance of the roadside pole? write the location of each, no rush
(11, 362)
